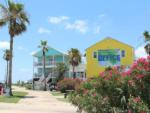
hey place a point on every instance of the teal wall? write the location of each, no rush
(57, 59)
(49, 59)
(47, 71)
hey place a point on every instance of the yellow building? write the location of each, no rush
(108, 52)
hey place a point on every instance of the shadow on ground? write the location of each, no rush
(29, 97)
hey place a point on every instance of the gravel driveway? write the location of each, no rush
(37, 102)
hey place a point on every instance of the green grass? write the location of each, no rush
(56, 93)
(13, 99)
(63, 99)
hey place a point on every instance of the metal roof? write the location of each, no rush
(51, 52)
(107, 38)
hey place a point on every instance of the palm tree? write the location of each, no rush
(15, 17)
(61, 69)
(7, 58)
(43, 45)
(147, 39)
(74, 59)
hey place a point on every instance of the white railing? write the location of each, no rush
(47, 63)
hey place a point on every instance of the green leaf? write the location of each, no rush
(123, 100)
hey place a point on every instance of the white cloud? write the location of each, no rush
(102, 15)
(32, 53)
(42, 30)
(78, 25)
(4, 45)
(97, 30)
(57, 20)
(140, 52)
(22, 48)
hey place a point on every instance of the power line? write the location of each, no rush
(140, 41)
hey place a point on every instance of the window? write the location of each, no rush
(123, 53)
(94, 54)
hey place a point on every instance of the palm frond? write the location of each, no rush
(7, 54)
(43, 43)
(15, 16)
(2, 22)
(4, 13)
(3, 8)
(11, 5)
(19, 7)
(74, 57)
(14, 8)
(23, 17)
(16, 28)
(146, 36)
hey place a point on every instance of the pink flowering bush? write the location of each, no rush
(68, 84)
(140, 75)
(136, 105)
(116, 90)
(88, 99)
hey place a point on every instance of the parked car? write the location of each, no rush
(1, 88)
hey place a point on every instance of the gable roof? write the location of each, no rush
(51, 52)
(107, 38)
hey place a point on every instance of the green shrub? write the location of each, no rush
(28, 86)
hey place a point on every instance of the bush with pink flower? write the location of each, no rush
(136, 105)
(116, 90)
(140, 75)
(68, 84)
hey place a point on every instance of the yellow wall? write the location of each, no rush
(93, 67)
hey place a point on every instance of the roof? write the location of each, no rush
(51, 52)
(147, 44)
(107, 38)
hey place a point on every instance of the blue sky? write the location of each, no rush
(78, 24)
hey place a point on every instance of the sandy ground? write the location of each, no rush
(37, 102)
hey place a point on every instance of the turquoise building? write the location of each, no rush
(53, 57)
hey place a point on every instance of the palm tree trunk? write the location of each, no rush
(44, 71)
(6, 79)
(10, 67)
(73, 70)
(147, 49)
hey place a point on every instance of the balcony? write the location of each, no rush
(36, 75)
(52, 63)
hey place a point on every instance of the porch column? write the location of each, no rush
(53, 66)
(33, 74)
(63, 59)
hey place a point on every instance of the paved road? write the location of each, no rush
(37, 102)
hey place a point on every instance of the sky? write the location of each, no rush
(78, 24)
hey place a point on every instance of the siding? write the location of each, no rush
(93, 66)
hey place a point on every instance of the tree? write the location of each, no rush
(16, 18)
(7, 58)
(147, 40)
(18, 83)
(146, 36)
(74, 59)
(61, 69)
(43, 45)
